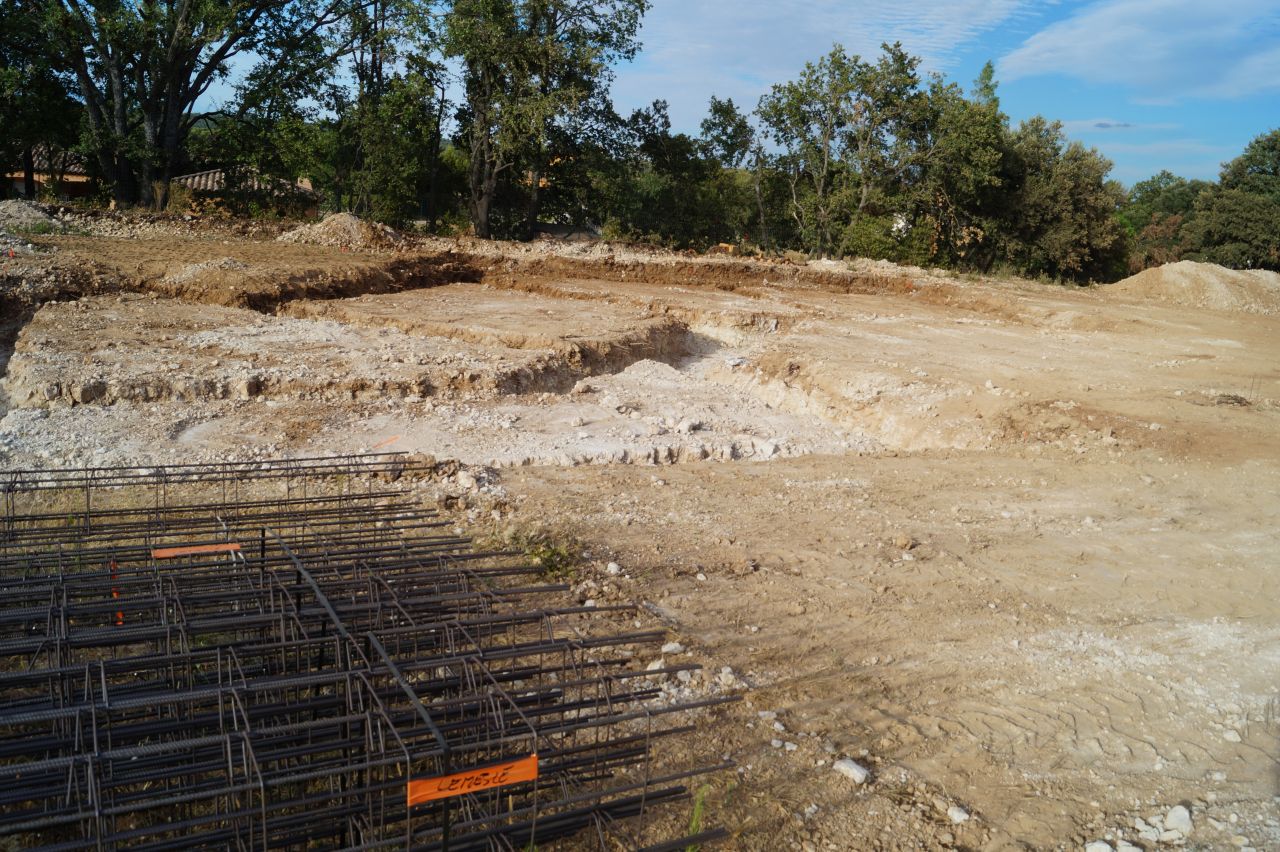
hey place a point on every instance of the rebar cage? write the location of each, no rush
(272, 654)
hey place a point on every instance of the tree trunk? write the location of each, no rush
(125, 182)
(432, 192)
(480, 185)
(146, 188)
(759, 179)
(29, 173)
(480, 203)
(483, 174)
(534, 205)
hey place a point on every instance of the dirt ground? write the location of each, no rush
(1010, 548)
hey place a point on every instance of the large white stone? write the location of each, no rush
(855, 772)
(1178, 819)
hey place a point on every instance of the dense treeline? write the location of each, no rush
(494, 115)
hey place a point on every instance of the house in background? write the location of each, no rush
(209, 191)
(60, 174)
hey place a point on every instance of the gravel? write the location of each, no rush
(18, 215)
(10, 244)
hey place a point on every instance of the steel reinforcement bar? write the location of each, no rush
(310, 660)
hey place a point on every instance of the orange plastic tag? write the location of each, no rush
(193, 550)
(499, 775)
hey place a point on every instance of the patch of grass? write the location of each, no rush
(557, 561)
(557, 554)
(695, 818)
(38, 229)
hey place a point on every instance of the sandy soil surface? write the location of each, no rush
(995, 565)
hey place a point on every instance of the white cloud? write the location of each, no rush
(738, 48)
(1087, 126)
(1162, 49)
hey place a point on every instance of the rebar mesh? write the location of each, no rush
(311, 640)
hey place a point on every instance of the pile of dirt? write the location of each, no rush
(19, 215)
(346, 231)
(194, 271)
(1190, 284)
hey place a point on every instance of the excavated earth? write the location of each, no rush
(1010, 548)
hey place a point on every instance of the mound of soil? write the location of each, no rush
(346, 231)
(194, 271)
(19, 215)
(1190, 284)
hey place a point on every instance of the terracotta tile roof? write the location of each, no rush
(215, 180)
(71, 162)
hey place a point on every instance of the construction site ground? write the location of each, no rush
(1009, 547)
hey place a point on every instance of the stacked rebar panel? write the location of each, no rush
(265, 655)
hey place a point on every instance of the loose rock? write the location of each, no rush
(855, 772)
(1178, 819)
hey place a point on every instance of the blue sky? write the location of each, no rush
(1154, 84)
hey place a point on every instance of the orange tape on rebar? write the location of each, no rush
(473, 780)
(193, 550)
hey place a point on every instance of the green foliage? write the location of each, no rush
(1237, 228)
(727, 134)
(1061, 221)
(398, 141)
(695, 818)
(35, 230)
(531, 69)
(36, 104)
(1157, 213)
(870, 236)
(959, 197)
(805, 118)
(1257, 170)
(1237, 222)
(671, 192)
(140, 68)
(866, 157)
(555, 553)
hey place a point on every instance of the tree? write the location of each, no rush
(35, 98)
(848, 130)
(729, 140)
(1158, 213)
(1164, 239)
(141, 65)
(960, 191)
(1164, 193)
(1237, 222)
(1257, 170)
(882, 127)
(727, 135)
(1238, 229)
(528, 65)
(1062, 219)
(664, 195)
(805, 117)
